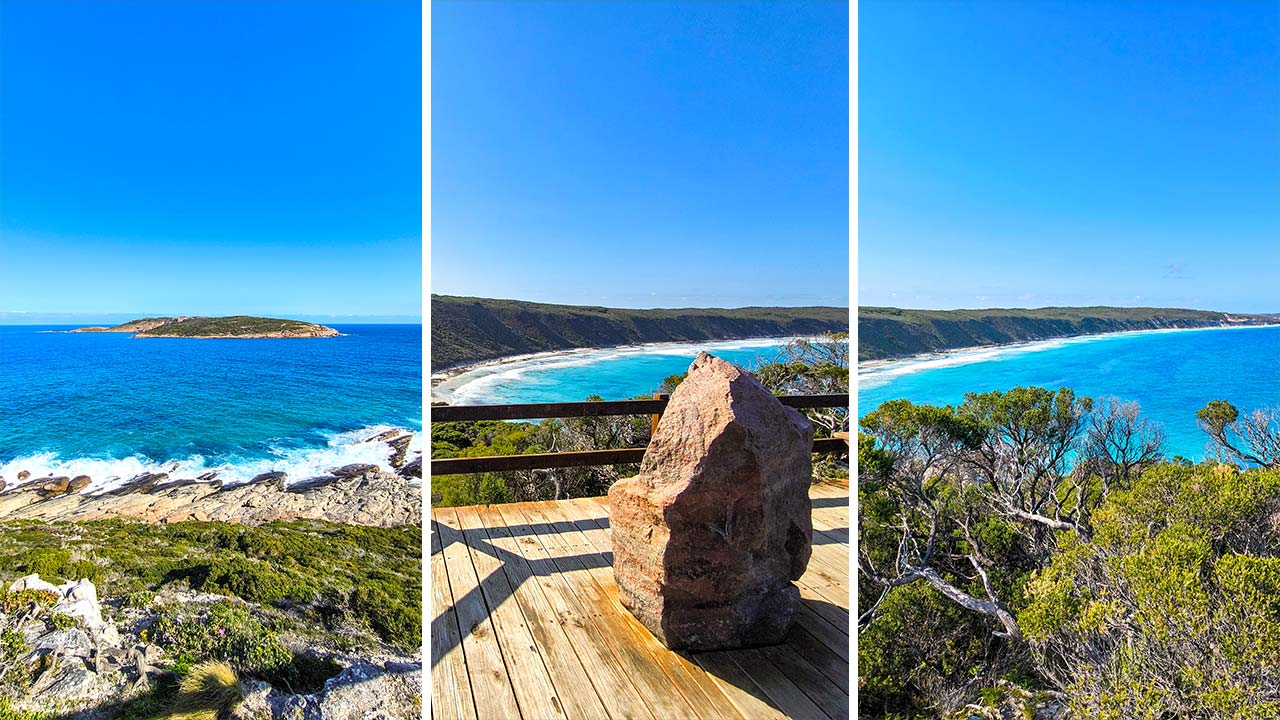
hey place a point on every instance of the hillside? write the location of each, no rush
(893, 333)
(235, 326)
(467, 330)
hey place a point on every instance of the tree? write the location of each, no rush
(812, 367)
(1170, 609)
(1253, 440)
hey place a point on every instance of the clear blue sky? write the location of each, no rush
(1052, 153)
(210, 158)
(641, 154)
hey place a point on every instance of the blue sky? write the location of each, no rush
(210, 158)
(641, 154)
(1051, 153)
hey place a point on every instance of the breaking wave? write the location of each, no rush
(300, 463)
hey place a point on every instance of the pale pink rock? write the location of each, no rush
(710, 534)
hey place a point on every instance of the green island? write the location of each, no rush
(235, 326)
(887, 333)
(468, 330)
(1033, 553)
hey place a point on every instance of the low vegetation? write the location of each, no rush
(467, 330)
(235, 325)
(1033, 549)
(803, 368)
(355, 584)
(885, 332)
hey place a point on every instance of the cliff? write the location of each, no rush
(885, 333)
(467, 330)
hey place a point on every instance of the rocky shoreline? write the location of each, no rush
(356, 494)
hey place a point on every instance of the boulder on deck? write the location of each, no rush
(708, 538)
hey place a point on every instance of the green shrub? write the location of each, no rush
(61, 621)
(395, 622)
(19, 600)
(222, 632)
(252, 580)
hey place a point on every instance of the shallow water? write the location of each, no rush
(612, 373)
(106, 404)
(1170, 374)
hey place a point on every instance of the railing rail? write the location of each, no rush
(543, 461)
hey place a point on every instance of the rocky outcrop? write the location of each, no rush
(710, 534)
(399, 448)
(363, 691)
(80, 661)
(380, 499)
(354, 470)
(78, 483)
(276, 477)
(412, 469)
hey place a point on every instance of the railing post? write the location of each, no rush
(653, 419)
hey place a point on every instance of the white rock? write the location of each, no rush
(33, 582)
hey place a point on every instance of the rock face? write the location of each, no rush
(354, 470)
(710, 534)
(375, 498)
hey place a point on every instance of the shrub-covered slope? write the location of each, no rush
(467, 330)
(885, 332)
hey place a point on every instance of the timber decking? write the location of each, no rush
(526, 623)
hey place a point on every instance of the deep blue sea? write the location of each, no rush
(613, 373)
(107, 404)
(1170, 374)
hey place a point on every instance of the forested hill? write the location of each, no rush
(465, 330)
(892, 332)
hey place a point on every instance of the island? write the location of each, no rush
(235, 326)
(888, 333)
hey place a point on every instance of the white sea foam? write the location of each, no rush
(476, 384)
(881, 372)
(300, 463)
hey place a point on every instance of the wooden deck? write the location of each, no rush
(526, 623)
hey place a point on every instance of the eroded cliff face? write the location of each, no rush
(886, 333)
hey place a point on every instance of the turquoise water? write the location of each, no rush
(1170, 374)
(108, 405)
(612, 374)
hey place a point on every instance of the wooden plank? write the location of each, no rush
(610, 676)
(633, 645)
(687, 677)
(537, 411)
(831, 665)
(486, 670)
(451, 697)
(748, 697)
(785, 694)
(535, 461)
(823, 631)
(582, 458)
(825, 606)
(535, 693)
(830, 698)
(580, 700)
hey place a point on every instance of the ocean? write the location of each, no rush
(111, 406)
(611, 373)
(1171, 374)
